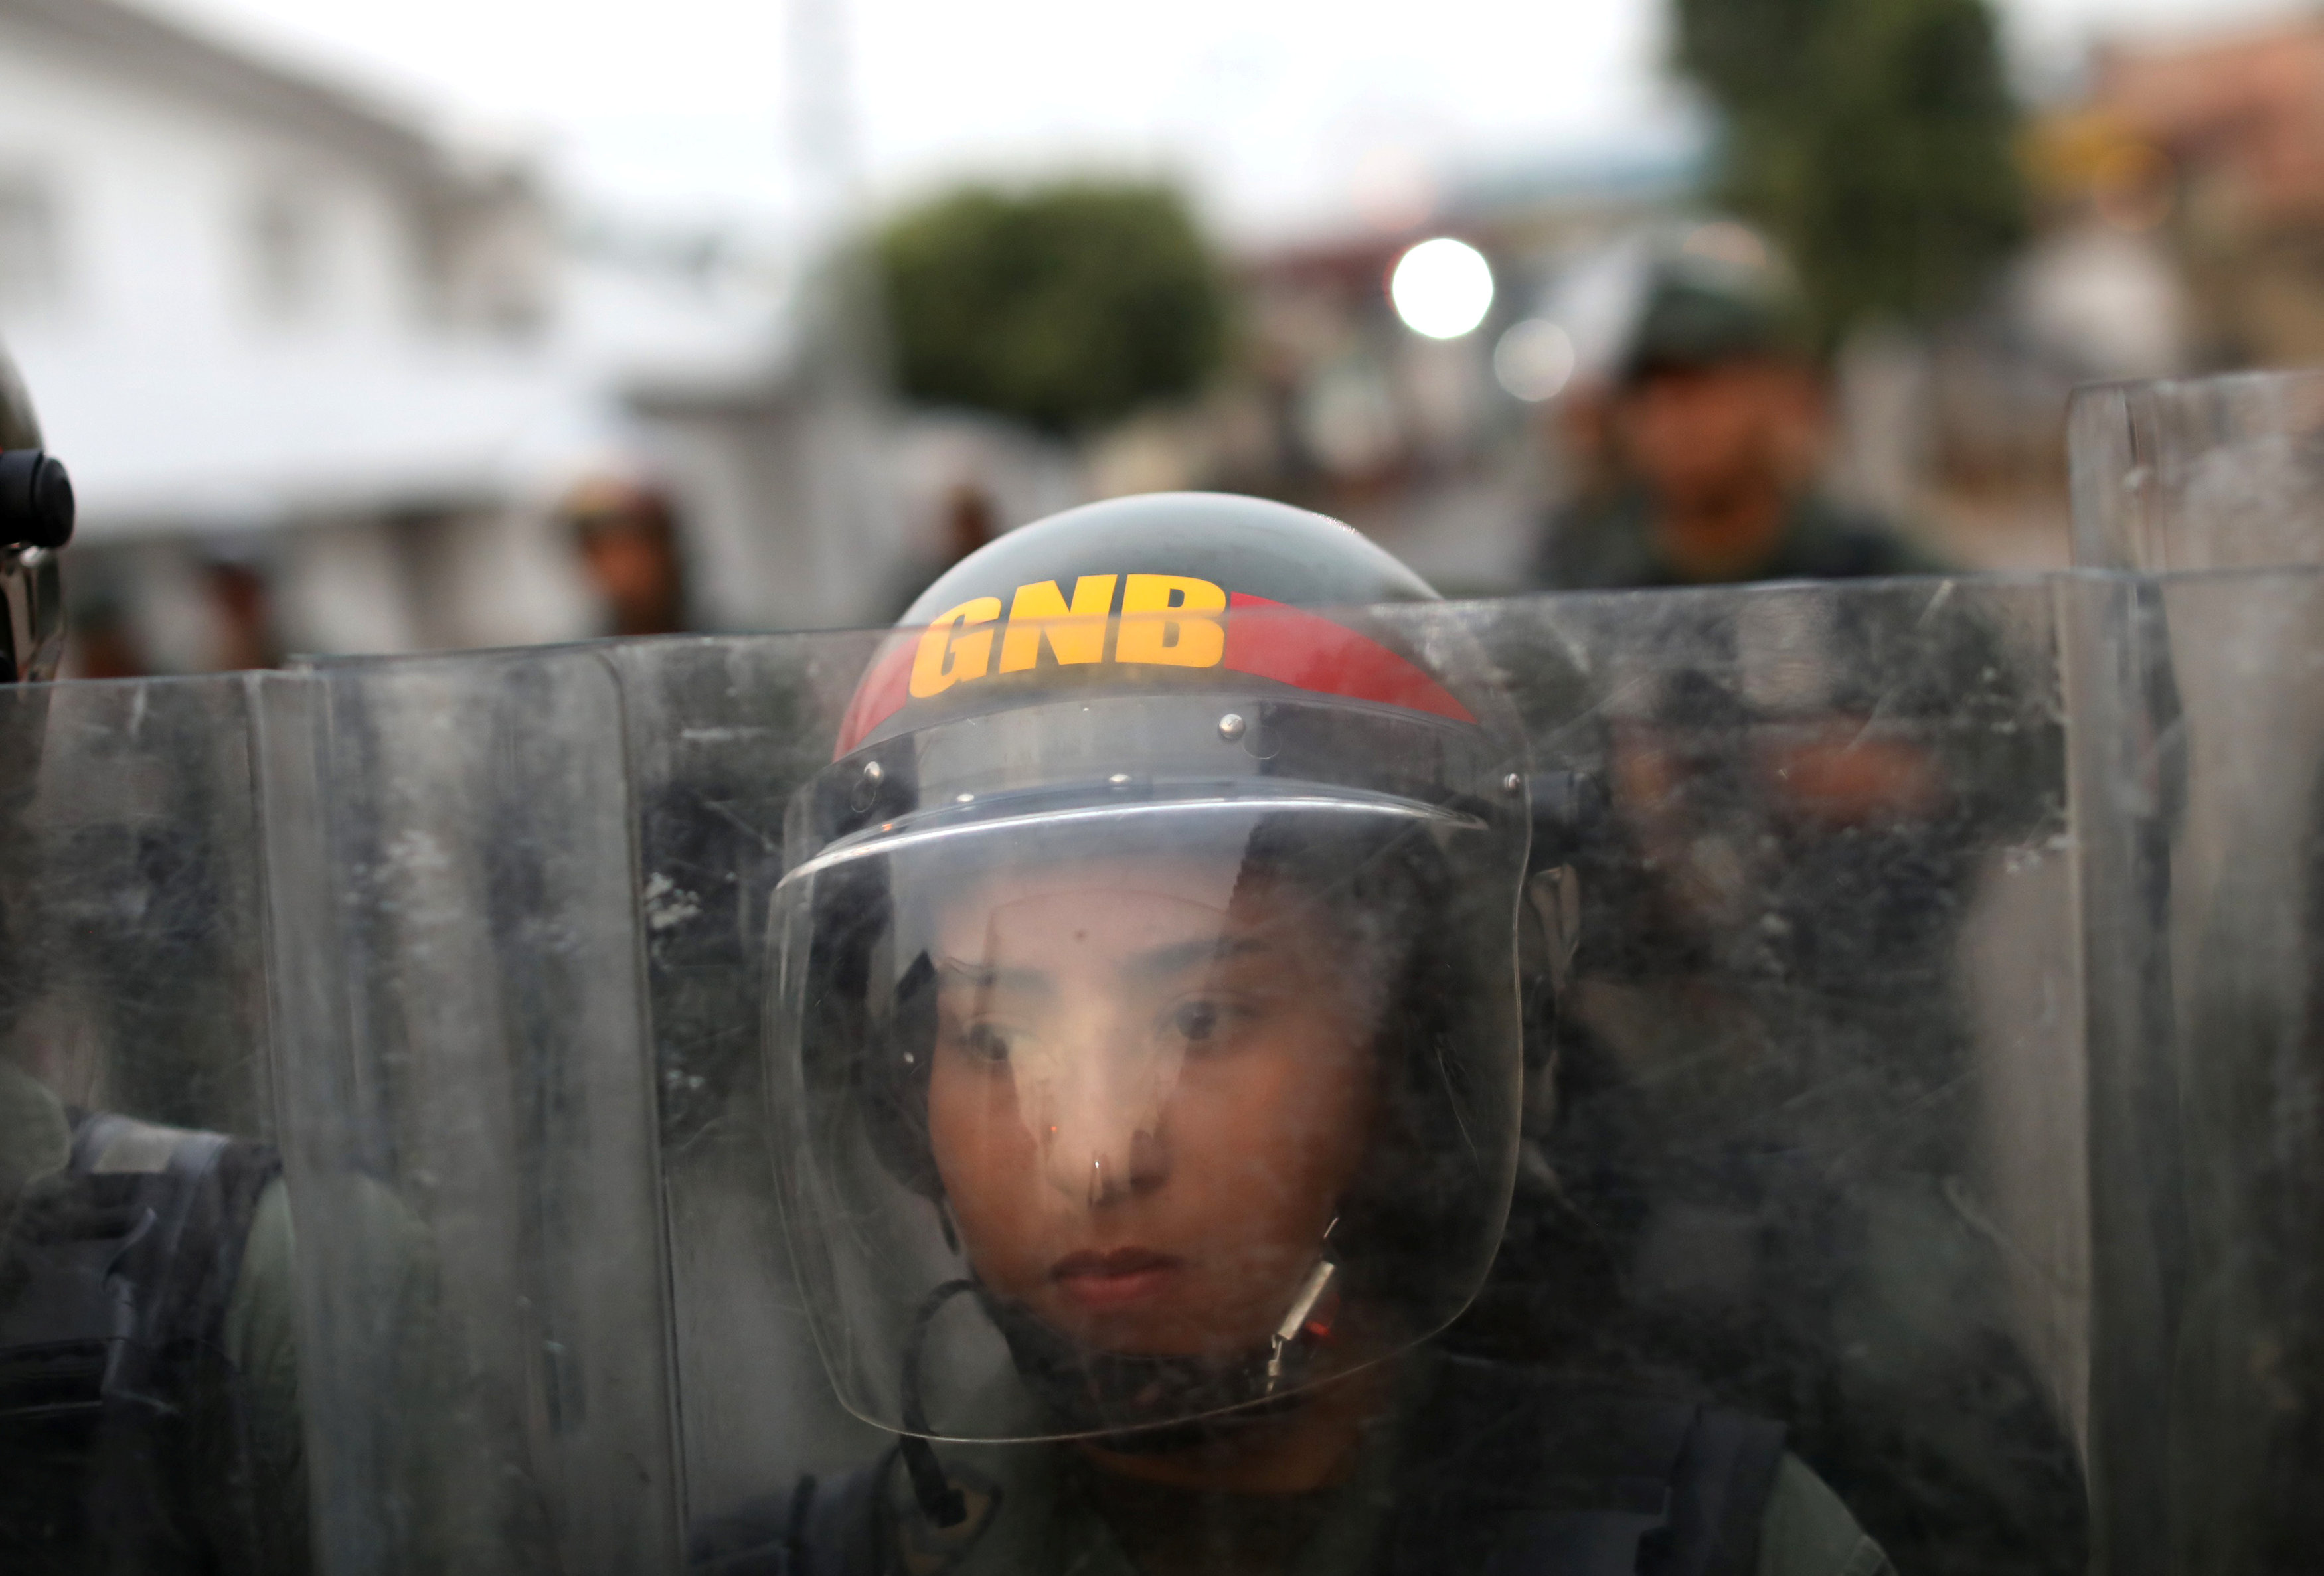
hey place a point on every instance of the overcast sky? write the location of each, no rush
(1283, 113)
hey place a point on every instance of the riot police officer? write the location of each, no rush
(148, 1387)
(1147, 1036)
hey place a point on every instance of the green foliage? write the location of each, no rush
(1063, 307)
(1873, 138)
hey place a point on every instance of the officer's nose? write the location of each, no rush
(1117, 1172)
(1105, 1139)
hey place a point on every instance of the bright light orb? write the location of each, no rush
(1535, 360)
(1442, 288)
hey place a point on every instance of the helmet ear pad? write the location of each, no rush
(882, 1062)
(896, 1106)
(1400, 1235)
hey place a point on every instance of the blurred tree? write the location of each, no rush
(1064, 307)
(1873, 138)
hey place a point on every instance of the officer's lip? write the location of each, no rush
(1115, 1278)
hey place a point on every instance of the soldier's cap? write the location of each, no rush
(1719, 295)
(602, 501)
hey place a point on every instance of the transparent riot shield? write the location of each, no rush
(724, 734)
(2230, 1155)
(453, 845)
(1822, 895)
(135, 914)
(2209, 1166)
(521, 901)
(1818, 1100)
(2217, 473)
(148, 1391)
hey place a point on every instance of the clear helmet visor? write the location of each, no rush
(1114, 1119)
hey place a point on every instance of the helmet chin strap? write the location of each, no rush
(944, 1505)
(1298, 1322)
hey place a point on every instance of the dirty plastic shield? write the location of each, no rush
(1821, 908)
(135, 991)
(2217, 473)
(134, 916)
(473, 1158)
(2208, 1176)
(2214, 1189)
(1818, 1109)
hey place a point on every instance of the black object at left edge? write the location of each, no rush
(36, 500)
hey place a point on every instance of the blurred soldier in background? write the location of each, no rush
(148, 1387)
(238, 579)
(1716, 429)
(627, 535)
(104, 641)
(969, 521)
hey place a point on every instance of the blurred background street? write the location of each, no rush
(387, 328)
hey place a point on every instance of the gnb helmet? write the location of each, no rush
(36, 518)
(1144, 1032)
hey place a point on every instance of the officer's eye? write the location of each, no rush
(1197, 1021)
(984, 1042)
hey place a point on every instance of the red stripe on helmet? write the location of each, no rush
(1315, 654)
(885, 688)
(1270, 640)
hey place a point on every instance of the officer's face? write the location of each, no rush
(1152, 1086)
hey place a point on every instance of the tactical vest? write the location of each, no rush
(1506, 1472)
(114, 1284)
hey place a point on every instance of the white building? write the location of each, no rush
(268, 322)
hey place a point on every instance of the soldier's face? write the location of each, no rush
(1152, 1085)
(1701, 435)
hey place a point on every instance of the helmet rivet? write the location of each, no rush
(874, 773)
(1231, 725)
(1118, 780)
(1512, 783)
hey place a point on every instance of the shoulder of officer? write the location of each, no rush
(1832, 542)
(1540, 1472)
(1600, 544)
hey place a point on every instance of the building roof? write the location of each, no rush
(189, 447)
(126, 41)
